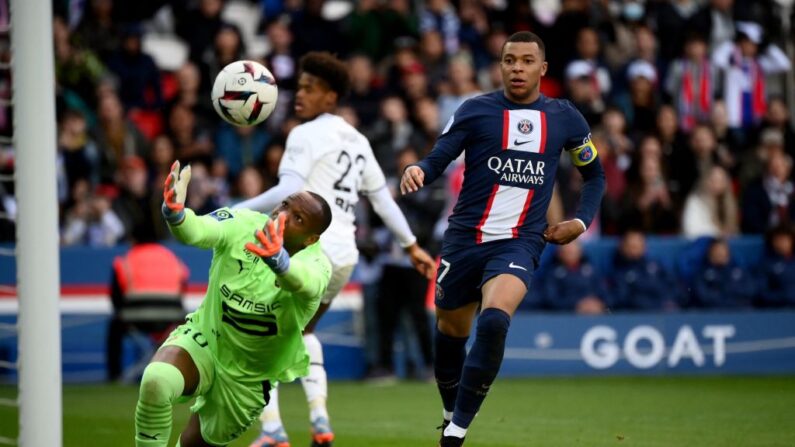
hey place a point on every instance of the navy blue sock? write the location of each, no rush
(450, 353)
(481, 365)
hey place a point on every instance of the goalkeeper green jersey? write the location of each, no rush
(251, 325)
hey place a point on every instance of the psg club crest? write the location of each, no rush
(524, 126)
(586, 154)
(439, 292)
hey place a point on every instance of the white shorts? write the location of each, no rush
(340, 275)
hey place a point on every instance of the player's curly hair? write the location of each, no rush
(327, 67)
(526, 36)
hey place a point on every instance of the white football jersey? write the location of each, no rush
(337, 162)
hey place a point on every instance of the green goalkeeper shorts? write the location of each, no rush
(226, 407)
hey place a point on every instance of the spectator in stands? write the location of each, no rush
(573, 283)
(190, 141)
(721, 283)
(270, 167)
(589, 52)
(778, 269)
(426, 115)
(281, 58)
(77, 70)
(711, 208)
(474, 28)
(648, 205)
(691, 83)
(249, 184)
(673, 144)
(585, 91)
(778, 118)
(410, 77)
(146, 290)
(189, 93)
(98, 30)
(638, 282)
(198, 26)
(116, 137)
(716, 21)
(372, 27)
(615, 125)
(441, 16)
(363, 30)
(671, 18)
(227, 47)
(433, 57)
(640, 103)
(313, 32)
(240, 147)
(137, 73)
(137, 206)
(390, 133)
(753, 163)
(719, 122)
(91, 221)
(161, 160)
(365, 95)
(76, 149)
(744, 68)
(461, 86)
(770, 200)
(610, 212)
(693, 164)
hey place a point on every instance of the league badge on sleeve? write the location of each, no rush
(221, 214)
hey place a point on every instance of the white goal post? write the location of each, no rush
(33, 98)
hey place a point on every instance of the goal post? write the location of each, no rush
(39, 360)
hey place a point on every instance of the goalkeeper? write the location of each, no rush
(266, 280)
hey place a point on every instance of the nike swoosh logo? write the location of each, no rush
(514, 266)
(144, 435)
(519, 143)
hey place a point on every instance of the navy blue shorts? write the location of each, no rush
(463, 271)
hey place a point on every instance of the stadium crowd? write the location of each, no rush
(685, 99)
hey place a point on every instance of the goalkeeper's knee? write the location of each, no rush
(162, 383)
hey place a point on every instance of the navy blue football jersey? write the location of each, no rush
(512, 153)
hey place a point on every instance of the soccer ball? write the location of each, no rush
(244, 93)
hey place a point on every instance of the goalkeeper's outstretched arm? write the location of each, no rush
(185, 225)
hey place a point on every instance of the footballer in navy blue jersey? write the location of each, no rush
(511, 155)
(512, 141)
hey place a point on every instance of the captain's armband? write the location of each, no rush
(584, 154)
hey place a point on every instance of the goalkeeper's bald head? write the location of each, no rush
(308, 215)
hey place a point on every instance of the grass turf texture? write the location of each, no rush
(753, 411)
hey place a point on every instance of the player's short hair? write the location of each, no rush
(326, 217)
(327, 67)
(526, 36)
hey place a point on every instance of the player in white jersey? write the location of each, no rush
(328, 156)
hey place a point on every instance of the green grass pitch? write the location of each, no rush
(693, 411)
